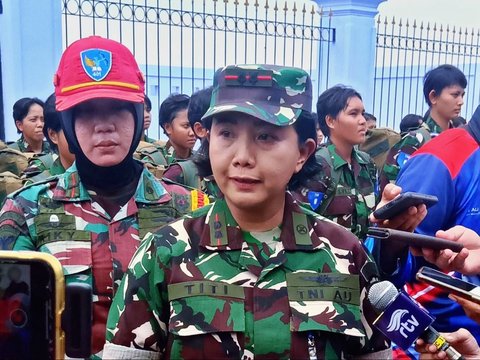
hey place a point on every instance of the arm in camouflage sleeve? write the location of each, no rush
(14, 232)
(136, 323)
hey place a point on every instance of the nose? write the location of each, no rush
(244, 154)
(190, 132)
(104, 124)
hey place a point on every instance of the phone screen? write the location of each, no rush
(26, 312)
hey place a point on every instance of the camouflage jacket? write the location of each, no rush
(12, 164)
(341, 192)
(185, 173)
(201, 288)
(41, 167)
(58, 216)
(22, 145)
(401, 151)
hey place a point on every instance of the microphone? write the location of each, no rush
(403, 321)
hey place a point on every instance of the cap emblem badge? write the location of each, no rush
(96, 63)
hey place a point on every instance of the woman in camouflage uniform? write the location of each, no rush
(254, 275)
(344, 188)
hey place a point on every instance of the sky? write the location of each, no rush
(462, 13)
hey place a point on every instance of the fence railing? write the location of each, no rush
(405, 51)
(179, 44)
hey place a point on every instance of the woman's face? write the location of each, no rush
(32, 124)
(253, 161)
(350, 126)
(180, 133)
(104, 130)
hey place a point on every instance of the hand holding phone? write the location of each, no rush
(402, 203)
(413, 239)
(449, 283)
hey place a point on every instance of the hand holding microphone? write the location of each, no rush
(403, 321)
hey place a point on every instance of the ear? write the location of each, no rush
(306, 150)
(53, 135)
(199, 130)
(19, 125)
(168, 128)
(330, 121)
(432, 96)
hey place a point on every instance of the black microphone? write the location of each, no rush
(403, 321)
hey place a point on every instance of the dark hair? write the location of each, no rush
(369, 116)
(199, 104)
(305, 128)
(410, 122)
(22, 107)
(148, 103)
(441, 77)
(52, 120)
(170, 107)
(331, 102)
(458, 121)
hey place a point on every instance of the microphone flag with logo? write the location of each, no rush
(403, 321)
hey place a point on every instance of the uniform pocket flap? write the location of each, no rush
(75, 256)
(325, 301)
(201, 307)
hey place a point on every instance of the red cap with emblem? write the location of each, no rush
(96, 67)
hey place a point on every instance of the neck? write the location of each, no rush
(343, 150)
(35, 145)
(259, 219)
(181, 152)
(441, 121)
(65, 163)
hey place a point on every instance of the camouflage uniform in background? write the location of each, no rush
(41, 167)
(12, 164)
(341, 192)
(203, 288)
(22, 146)
(60, 217)
(378, 142)
(401, 151)
(152, 155)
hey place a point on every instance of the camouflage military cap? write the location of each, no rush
(275, 94)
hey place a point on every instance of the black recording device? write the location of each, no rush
(449, 283)
(402, 202)
(40, 317)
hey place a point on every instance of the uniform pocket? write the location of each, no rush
(325, 301)
(202, 307)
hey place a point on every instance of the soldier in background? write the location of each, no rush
(443, 89)
(28, 117)
(147, 120)
(42, 166)
(371, 121)
(93, 216)
(344, 188)
(238, 279)
(186, 172)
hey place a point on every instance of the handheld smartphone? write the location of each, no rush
(413, 239)
(31, 305)
(449, 283)
(402, 203)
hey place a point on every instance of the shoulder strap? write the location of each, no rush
(47, 160)
(332, 177)
(190, 174)
(14, 146)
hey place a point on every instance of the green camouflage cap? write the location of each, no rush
(275, 94)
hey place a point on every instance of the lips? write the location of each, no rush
(244, 183)
(106, 143)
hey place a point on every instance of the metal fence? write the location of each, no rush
(179, 44)
(405, 51)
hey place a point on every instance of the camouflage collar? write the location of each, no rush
(432, 126)
(338, 161)
(69, 188)
(223, 233)
(24, 146)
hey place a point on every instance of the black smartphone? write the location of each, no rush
(31, 305)
(402, 203)
(413, 239)
(449, 283)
